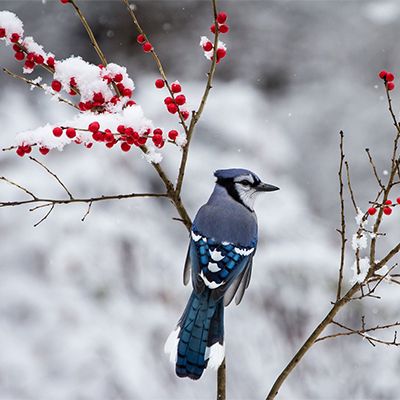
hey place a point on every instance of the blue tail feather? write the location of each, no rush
(199, 324)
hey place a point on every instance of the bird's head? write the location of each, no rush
(242, 185)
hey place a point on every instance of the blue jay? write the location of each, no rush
(219, 261)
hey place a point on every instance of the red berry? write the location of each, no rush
(30, 57)
(388, 202)
(71, 132)
(382, 74)
(207, 46)
(141, 141)
(19, 55)
(176, 87)
(64, 1)
(29, 64)
(221, 53)
(2, 33)
(127, 92)
(221, 17)
(16, 47)
(157, 131)
(57, 131)
(172, 108)
(390, 85)
(118, 78)
(44, 150)
(159, 83)
(185, 114)
(14, 38)
(398, 200)
(51, 62)
(97, 136)
(72, 82)
(158, 141)
(389, 77)
(180, 100)
(98, 98)
(140, 38)
(20, 151)
(224, 28)
(109, 137)
(212, 28)
(94, 127)
(56, 85)
(125, 146)
(39, 59)
(173, 134)
(27, 148)
(387, 210)
(147, 47)
(121, 129)
(168, 100)
(88, 145)
(130, 103)
(371, 211)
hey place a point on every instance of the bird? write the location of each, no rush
(223, 241)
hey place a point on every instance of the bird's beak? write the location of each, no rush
(264, 187)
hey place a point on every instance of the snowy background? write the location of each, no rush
(85, 308)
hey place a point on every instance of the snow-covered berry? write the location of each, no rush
(176, 87)
(180, 100)
(56, 85)
(70, 132)
(57, 131)
(207, 46)
(173, 134)
(147, 47)
(159, 83)
(127, 92)
(118, 78)
(387, 210)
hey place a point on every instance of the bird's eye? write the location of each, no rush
(245, 183)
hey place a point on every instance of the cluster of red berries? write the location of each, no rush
(221, 25)
(388, 78)
(387, 209)
(173, 103)
(146, 46)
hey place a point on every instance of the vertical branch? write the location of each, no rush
(342, 230)
(221, 381)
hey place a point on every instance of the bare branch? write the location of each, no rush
(87, 211)
(353, 199)
(342, 230)
(52, 174)
(34, 198)
(371, 161)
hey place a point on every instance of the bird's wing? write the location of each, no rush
(217, 265)
(239, 285)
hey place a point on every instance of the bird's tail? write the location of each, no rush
(198, 339)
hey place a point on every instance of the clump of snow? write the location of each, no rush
(12, 24)
(364, 267)
(359, 218)
(209, 54)
(359, 242)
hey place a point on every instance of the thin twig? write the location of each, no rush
(47, 214)
(87, 211)
(34, 198)
(353, 199)
(53, 175)
(39, 86)
(371, 161)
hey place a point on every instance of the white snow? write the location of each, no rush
(209, 54)
(359, 242)
(12, 24)
(364, 267)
